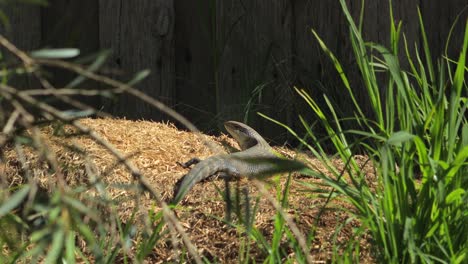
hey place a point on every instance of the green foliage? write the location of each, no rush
(417, 141)
(55, 53)
(283, 240)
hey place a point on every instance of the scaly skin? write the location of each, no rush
(257, 159)
(252, 145)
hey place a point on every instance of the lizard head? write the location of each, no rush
(246, 136)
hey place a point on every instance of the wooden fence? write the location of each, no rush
(214, 60)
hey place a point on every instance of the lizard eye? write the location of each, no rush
(241, 130)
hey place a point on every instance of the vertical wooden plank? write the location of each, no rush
(439, 17)
(140, 34)
(23, 18)
(376, 26)
(71, 24)
(376, 29)
(406, 11)
(254, 47)
(316, 74)
(25, 33)
(195, 57)
(310, 62)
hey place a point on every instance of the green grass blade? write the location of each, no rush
(56, 247)
(14, 200)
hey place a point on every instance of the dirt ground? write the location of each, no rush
(155, 148)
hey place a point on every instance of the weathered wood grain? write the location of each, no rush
(23, 18)
(439, 17)
(315, 73)
(71, 24)
(214, 60)
(254, 48)
(140, 35)
(195, 59)
(24, 31)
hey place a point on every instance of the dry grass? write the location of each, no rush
(155, 148)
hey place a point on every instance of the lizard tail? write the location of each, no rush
(198, 173)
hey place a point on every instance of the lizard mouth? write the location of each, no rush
(241, 134)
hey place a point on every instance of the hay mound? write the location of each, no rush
(155, 148)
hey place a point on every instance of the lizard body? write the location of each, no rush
(256, 159)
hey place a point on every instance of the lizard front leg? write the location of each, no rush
(189, 163)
